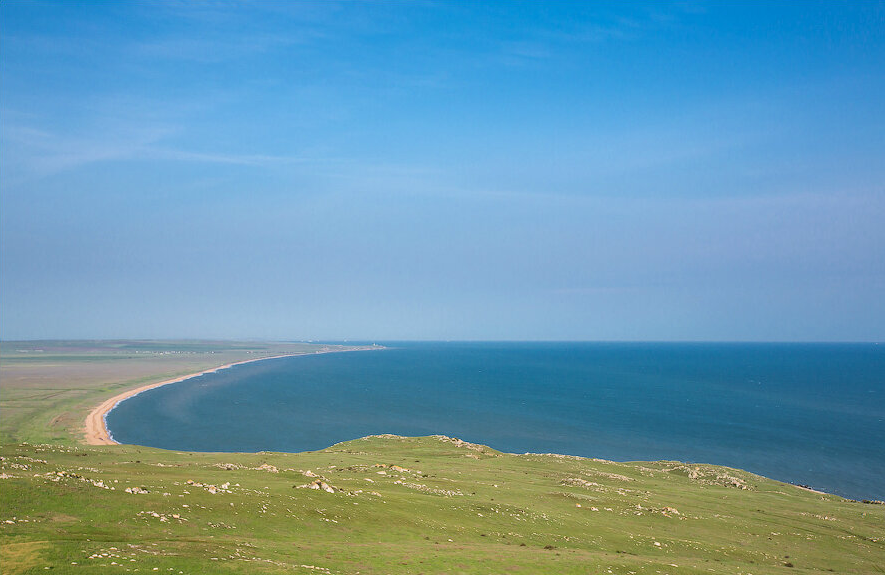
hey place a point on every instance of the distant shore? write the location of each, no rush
(97, 432)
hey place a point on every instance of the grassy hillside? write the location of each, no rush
(389, 504)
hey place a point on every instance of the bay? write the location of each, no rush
(809, 414)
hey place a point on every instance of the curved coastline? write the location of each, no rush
(97, 432)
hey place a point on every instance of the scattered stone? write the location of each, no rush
(606, 474)
(467, 445)
(162, 516)
(578, 482)
(210, 488)
(709, 476)
(425, 489)
(319, 485)
(559, 456)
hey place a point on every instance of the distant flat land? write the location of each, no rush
(383, 504)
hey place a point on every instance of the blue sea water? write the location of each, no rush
(805, 413)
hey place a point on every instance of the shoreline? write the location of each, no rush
(96, 427)
(96, 432)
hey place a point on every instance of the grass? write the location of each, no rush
(400, 505)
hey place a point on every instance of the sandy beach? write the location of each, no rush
(96, 427)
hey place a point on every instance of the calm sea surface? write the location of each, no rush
(804, 413)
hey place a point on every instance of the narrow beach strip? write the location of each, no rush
(97, 432)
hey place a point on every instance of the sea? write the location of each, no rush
(809, 414)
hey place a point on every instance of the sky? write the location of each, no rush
(443, 170)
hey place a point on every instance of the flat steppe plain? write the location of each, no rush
(383, 504)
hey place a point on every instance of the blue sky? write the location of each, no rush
(443, 170)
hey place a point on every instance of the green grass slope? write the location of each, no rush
(414, 505)
(389, 504)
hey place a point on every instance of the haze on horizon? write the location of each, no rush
(443, 170)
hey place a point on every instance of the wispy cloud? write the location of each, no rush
(620, 29)
(556, 37)
(222, 48)
(33, 153)
(213, 31)
(170, 154)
